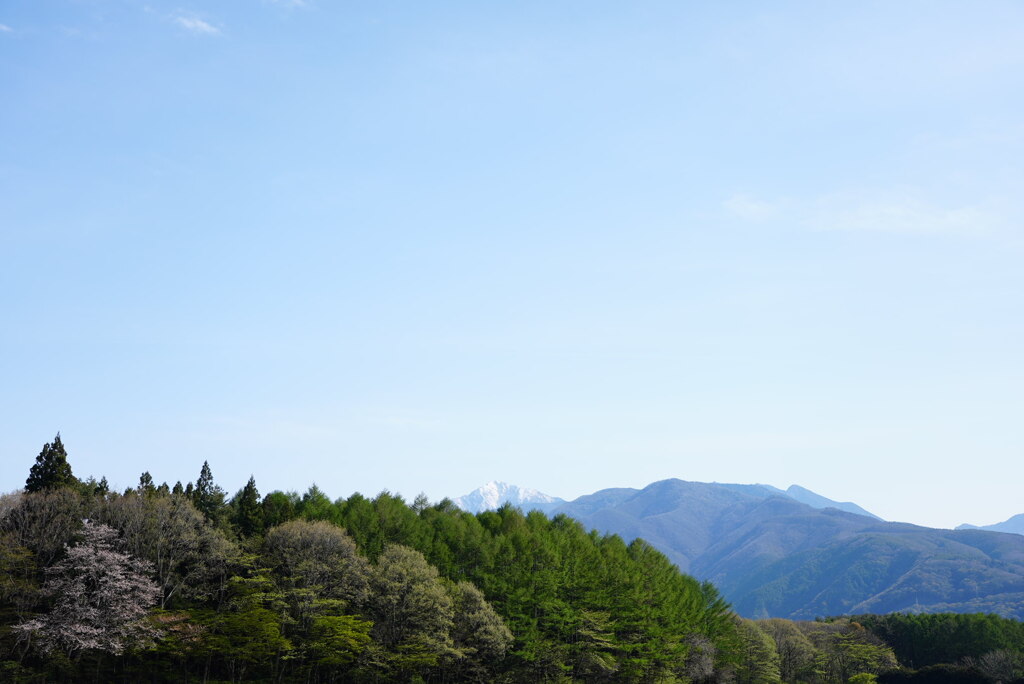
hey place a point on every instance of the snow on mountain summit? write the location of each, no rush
(494, 494)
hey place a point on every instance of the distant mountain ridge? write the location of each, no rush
(799, 555)
(818, 501)
(806, 496)
(1014, 525)
(494, 494)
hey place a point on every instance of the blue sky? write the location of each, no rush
(419, 246)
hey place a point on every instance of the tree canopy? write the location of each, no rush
(179, 584)
(51, 469)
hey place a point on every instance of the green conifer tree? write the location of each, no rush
(51, 470)
(248, 511)
(208, 497)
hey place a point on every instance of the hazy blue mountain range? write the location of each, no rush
(818, 501)
(772, 555)
(796, 554)
(494, 494)
(1014, 525)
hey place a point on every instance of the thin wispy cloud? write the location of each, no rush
(898, 216)
(866, 213)
(4, 28)
(196, 25)
(751, 208)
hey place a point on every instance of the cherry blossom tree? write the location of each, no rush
(101, 597)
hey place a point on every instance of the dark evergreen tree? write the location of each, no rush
(248, 511)
(51, 469)
(146, 483)
(208, 497)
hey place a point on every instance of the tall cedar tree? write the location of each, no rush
(51, 469)
(248, 512)
(207, 497)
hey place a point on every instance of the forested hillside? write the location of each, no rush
(303, 588)
(773, 556)
(183, 583)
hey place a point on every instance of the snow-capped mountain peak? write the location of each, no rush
(494, 494)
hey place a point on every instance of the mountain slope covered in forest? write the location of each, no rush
(774, 556)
